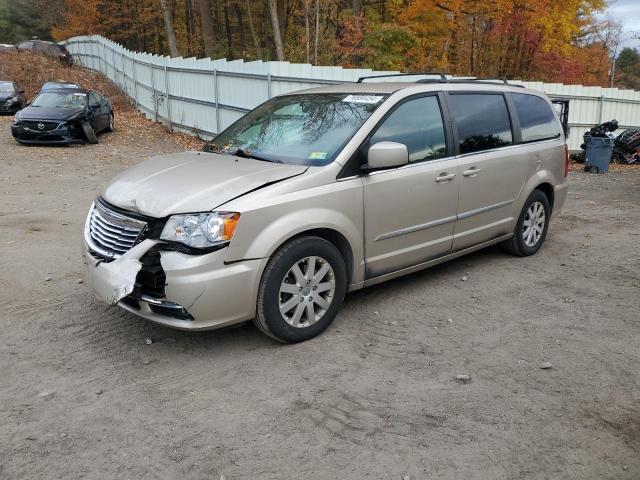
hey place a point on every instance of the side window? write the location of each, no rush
(418, 124)
(94, 101)
(537, 120)
(482, 120)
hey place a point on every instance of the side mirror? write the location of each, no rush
(387, 155)
(21, 91)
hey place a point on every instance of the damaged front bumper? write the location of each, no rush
(63, 134)
(187, 292)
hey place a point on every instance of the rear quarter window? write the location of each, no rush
(537, 119)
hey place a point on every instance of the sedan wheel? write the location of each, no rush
(111, 126)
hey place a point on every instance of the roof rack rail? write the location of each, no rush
(486, 81)
(442, 76)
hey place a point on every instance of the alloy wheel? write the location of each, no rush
(306, 292)
(533, 225)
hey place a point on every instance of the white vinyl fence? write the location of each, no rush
(204, 96)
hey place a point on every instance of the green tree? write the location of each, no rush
(21, 20)
(628, 68)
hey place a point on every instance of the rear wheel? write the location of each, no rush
(532, 226)
(301, 291)
(111, 127)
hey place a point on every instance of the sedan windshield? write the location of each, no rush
(60, 100)
(6, 87)
(298, 129)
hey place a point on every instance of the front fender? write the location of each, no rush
(260, 234)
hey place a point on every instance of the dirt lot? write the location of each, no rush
(84, 396)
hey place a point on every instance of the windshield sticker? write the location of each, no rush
(317, 155)
(362, 98)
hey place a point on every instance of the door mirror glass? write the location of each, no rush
(386, 155)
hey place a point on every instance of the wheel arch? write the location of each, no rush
(549, 192)
(334, 237)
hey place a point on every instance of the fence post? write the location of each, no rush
(135, 82)
(215, 99)
(600, 108)
(269, 85)
(123, 73)
(167, 95)
(154, 99)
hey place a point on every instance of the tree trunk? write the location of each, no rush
(317, 34)
(168, 27)
(227, 27)
(208, 32)
(356, 6)
(307, 31)
(243, 46)
(277, 34)
(253, 32)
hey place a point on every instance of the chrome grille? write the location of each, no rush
(110, 233)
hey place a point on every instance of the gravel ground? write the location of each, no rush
(84, 396)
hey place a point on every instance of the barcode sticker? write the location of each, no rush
(362, 98)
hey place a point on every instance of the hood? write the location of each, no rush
(191, 182)
(49, 113)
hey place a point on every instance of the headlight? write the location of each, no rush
(201, 230)
(12, 100)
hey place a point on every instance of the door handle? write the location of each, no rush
(472, 172)
(445, 177)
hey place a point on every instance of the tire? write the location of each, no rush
(89, 133)
(521, 244)
(111, 126)
(296, 323)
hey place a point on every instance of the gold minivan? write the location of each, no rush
(324, 191)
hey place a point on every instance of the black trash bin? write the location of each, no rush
(598, 155)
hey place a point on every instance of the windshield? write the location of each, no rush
(6, 87)
(298, 129)
(60, 100)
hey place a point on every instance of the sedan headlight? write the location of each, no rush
(201, 230)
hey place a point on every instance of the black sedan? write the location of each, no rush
(51, 49)
(12, 98)
(63, 116)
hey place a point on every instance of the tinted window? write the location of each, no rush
(418, 124)
(537, 120)
(482, 120)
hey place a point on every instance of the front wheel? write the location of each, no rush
(301, 291)
(532, 226)
(89, 132)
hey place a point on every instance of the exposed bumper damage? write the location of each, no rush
(187, 292)
(112, 281)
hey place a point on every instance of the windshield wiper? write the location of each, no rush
(239, 152)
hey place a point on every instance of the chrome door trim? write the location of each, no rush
(488, 208)
(415, 228)
(441, 221)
